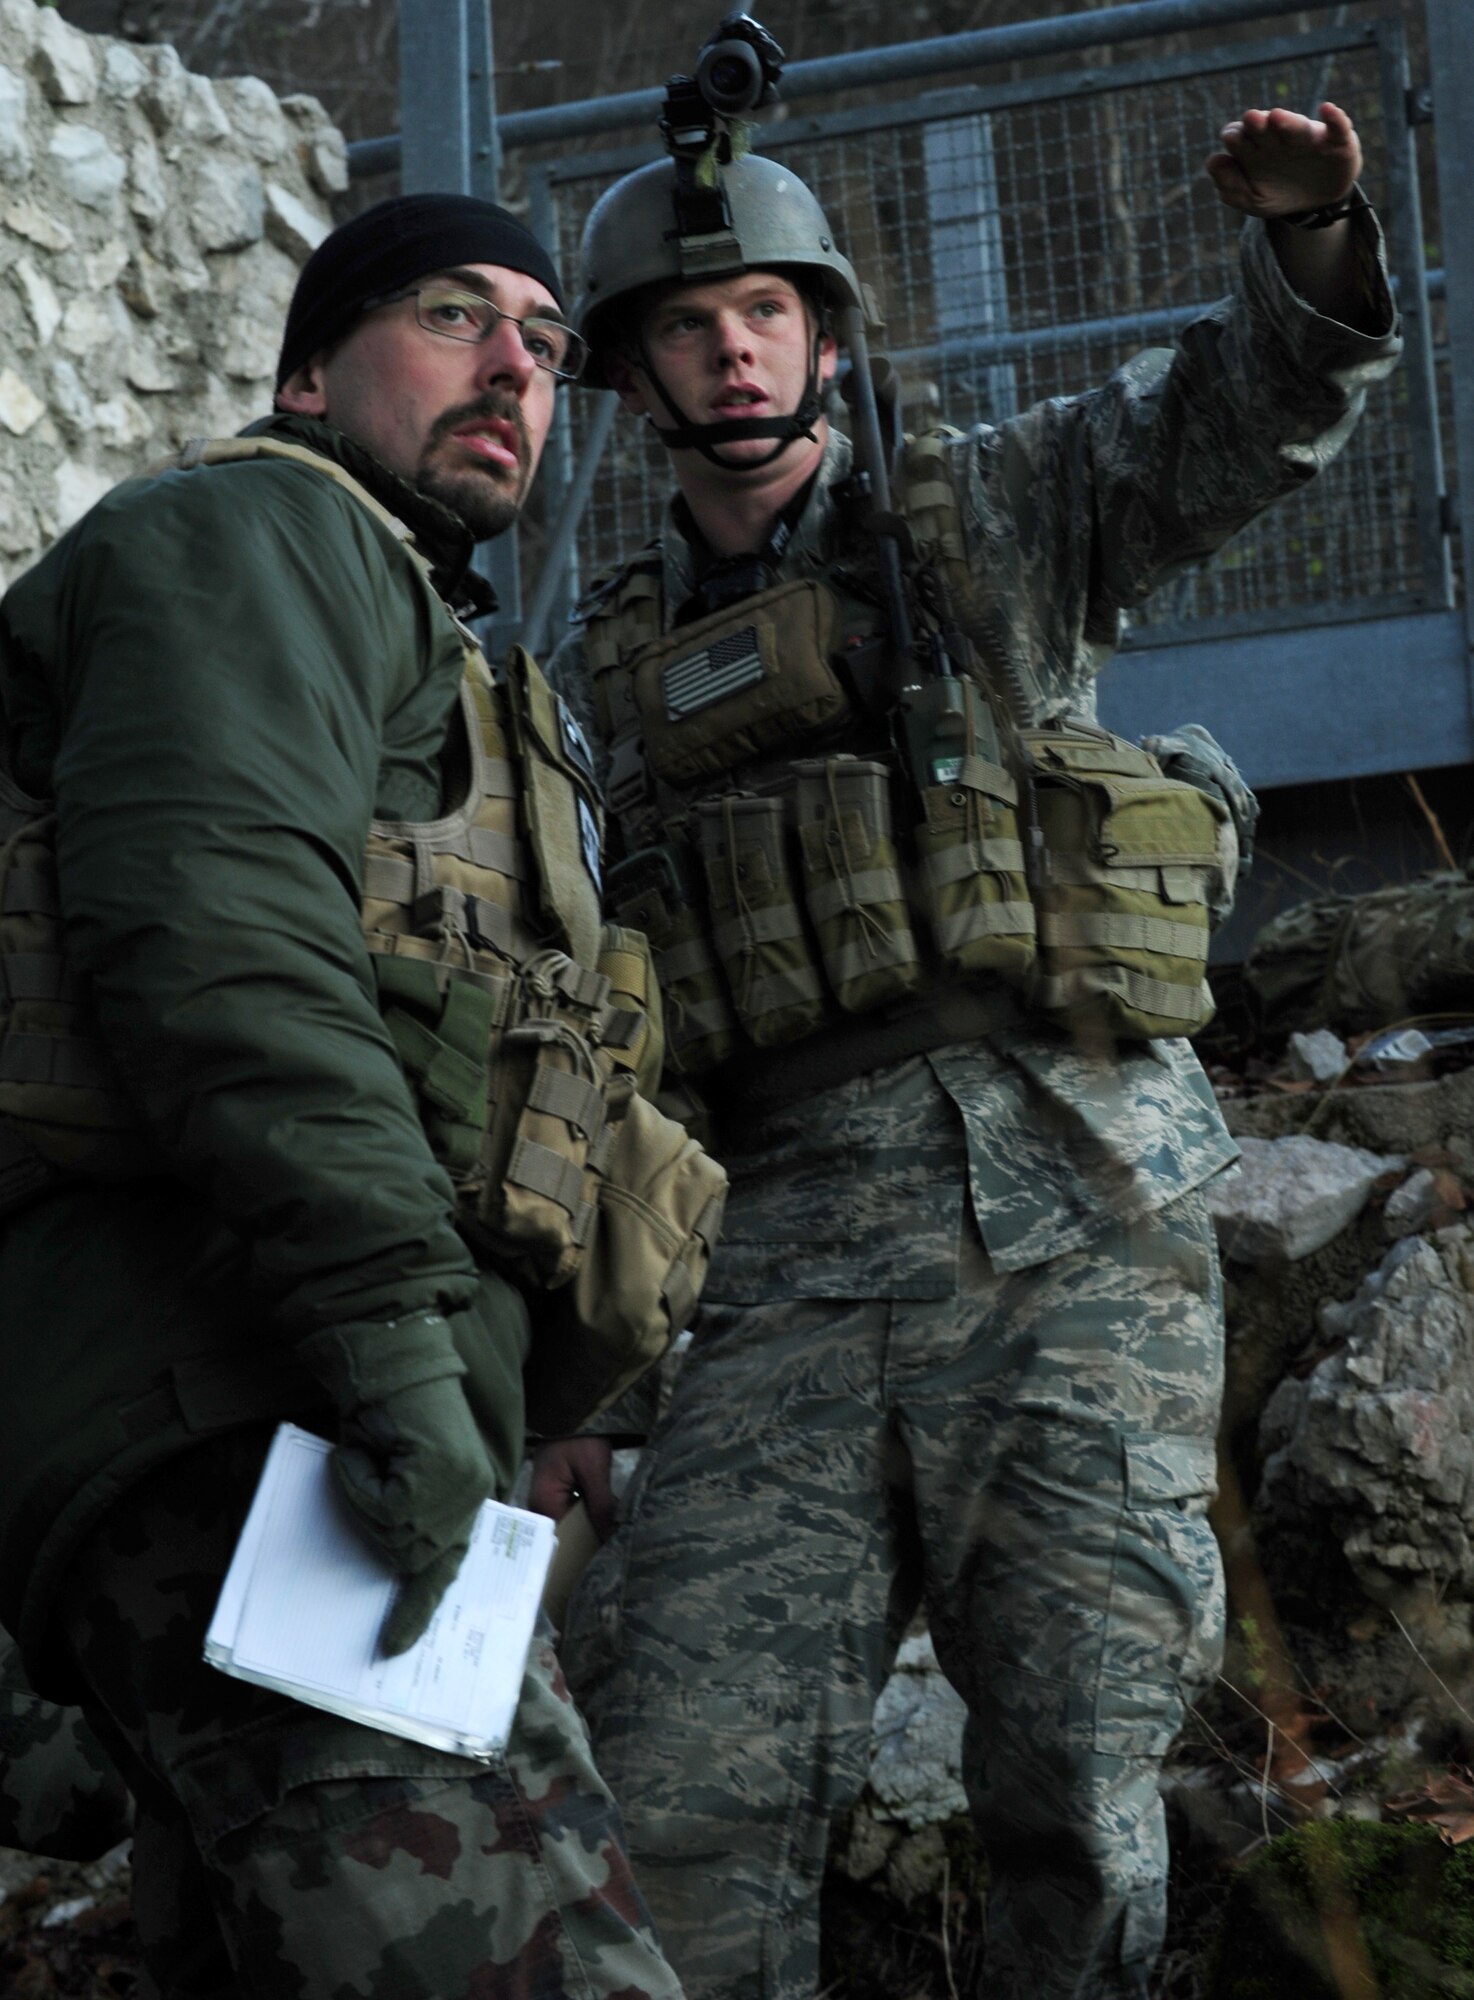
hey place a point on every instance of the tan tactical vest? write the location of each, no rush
(524, 1022)
(790, 874)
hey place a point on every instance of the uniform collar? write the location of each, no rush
(815, 537)
(440, 534)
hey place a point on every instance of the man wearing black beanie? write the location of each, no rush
(271, 839)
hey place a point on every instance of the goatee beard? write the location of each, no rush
(485, 510)
(486, 507)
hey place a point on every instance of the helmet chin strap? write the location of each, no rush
(683, 435)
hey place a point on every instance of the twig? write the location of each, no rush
(1435, 825)
(1329, 1784)
(1264, 1781)
(947, 1926)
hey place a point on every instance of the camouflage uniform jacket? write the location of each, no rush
(1074, 512)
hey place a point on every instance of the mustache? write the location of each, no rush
(505, 409)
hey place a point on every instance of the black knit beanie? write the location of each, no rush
(392, 244)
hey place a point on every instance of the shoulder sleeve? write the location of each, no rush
(1100, 498)
(239, 650)
(1260, 394)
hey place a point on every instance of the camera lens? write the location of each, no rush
(730, 77)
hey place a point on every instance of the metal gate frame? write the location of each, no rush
(1297, 702)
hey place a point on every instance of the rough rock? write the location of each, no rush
(163, 96)
(90, 323)
(78, 487)
(1291, 1196)
(324, 148)
(19, 22)
(291, 224)
(15, 146)
(1317, 1058)
(86, 165)
(1376, 1445)
(1384, 1117)
(70, 402)
(149, 198)
(39, 294)
(27, 218)
(228, 209)
(17, 521)
(916, 1756)
(255, 116)
(1410, 1207)
(64, 60)
(20, 407)
(124, 74)
(102, 270)
(202, 116)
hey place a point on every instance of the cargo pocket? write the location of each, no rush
(1164, 1629)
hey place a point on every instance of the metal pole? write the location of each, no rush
(1405, 248)
(897, 62)
(570, 517)
(447, 107)
(434, 97)
(485, 147)
(1451, 58)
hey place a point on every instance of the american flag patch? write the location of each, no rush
(722, 668)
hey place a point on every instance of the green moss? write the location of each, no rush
(1349, 1910)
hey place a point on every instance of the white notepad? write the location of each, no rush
(306, 1596)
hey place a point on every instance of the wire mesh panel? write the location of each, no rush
(1025, 240)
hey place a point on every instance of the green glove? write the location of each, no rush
(410, 1461)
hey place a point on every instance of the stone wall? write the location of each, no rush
(152, 224)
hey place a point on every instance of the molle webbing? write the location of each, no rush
(786, 931)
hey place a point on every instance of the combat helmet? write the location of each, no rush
(710, 210)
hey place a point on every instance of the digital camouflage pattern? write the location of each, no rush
(1358, 962)
(286, 1854)
(1073, 512)
(1031, 1458)
(1019, 1432)
(59, 1793)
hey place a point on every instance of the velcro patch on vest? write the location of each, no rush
(575, 743)
(593, 854)
(723, 668)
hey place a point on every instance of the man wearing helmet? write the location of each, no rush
(962, 1342)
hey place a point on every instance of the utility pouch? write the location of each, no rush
(658, 1213)
(757, 925)
(555, 1099)
(656, 891)
(1122, 911)
(852, 884)
(742, 683)
(441, 1021)
(625, 960)
(58, 1090)
(972, 880)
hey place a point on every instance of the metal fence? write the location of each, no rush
(1027, 236)
(1025, 242)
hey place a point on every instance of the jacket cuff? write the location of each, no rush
(367, 1361)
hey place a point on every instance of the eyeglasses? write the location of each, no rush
(470, 317)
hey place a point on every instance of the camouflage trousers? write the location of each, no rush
(59, 1794)
(1032, 1460)
(285, 1854)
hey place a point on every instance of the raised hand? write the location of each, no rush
(1277, 162)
